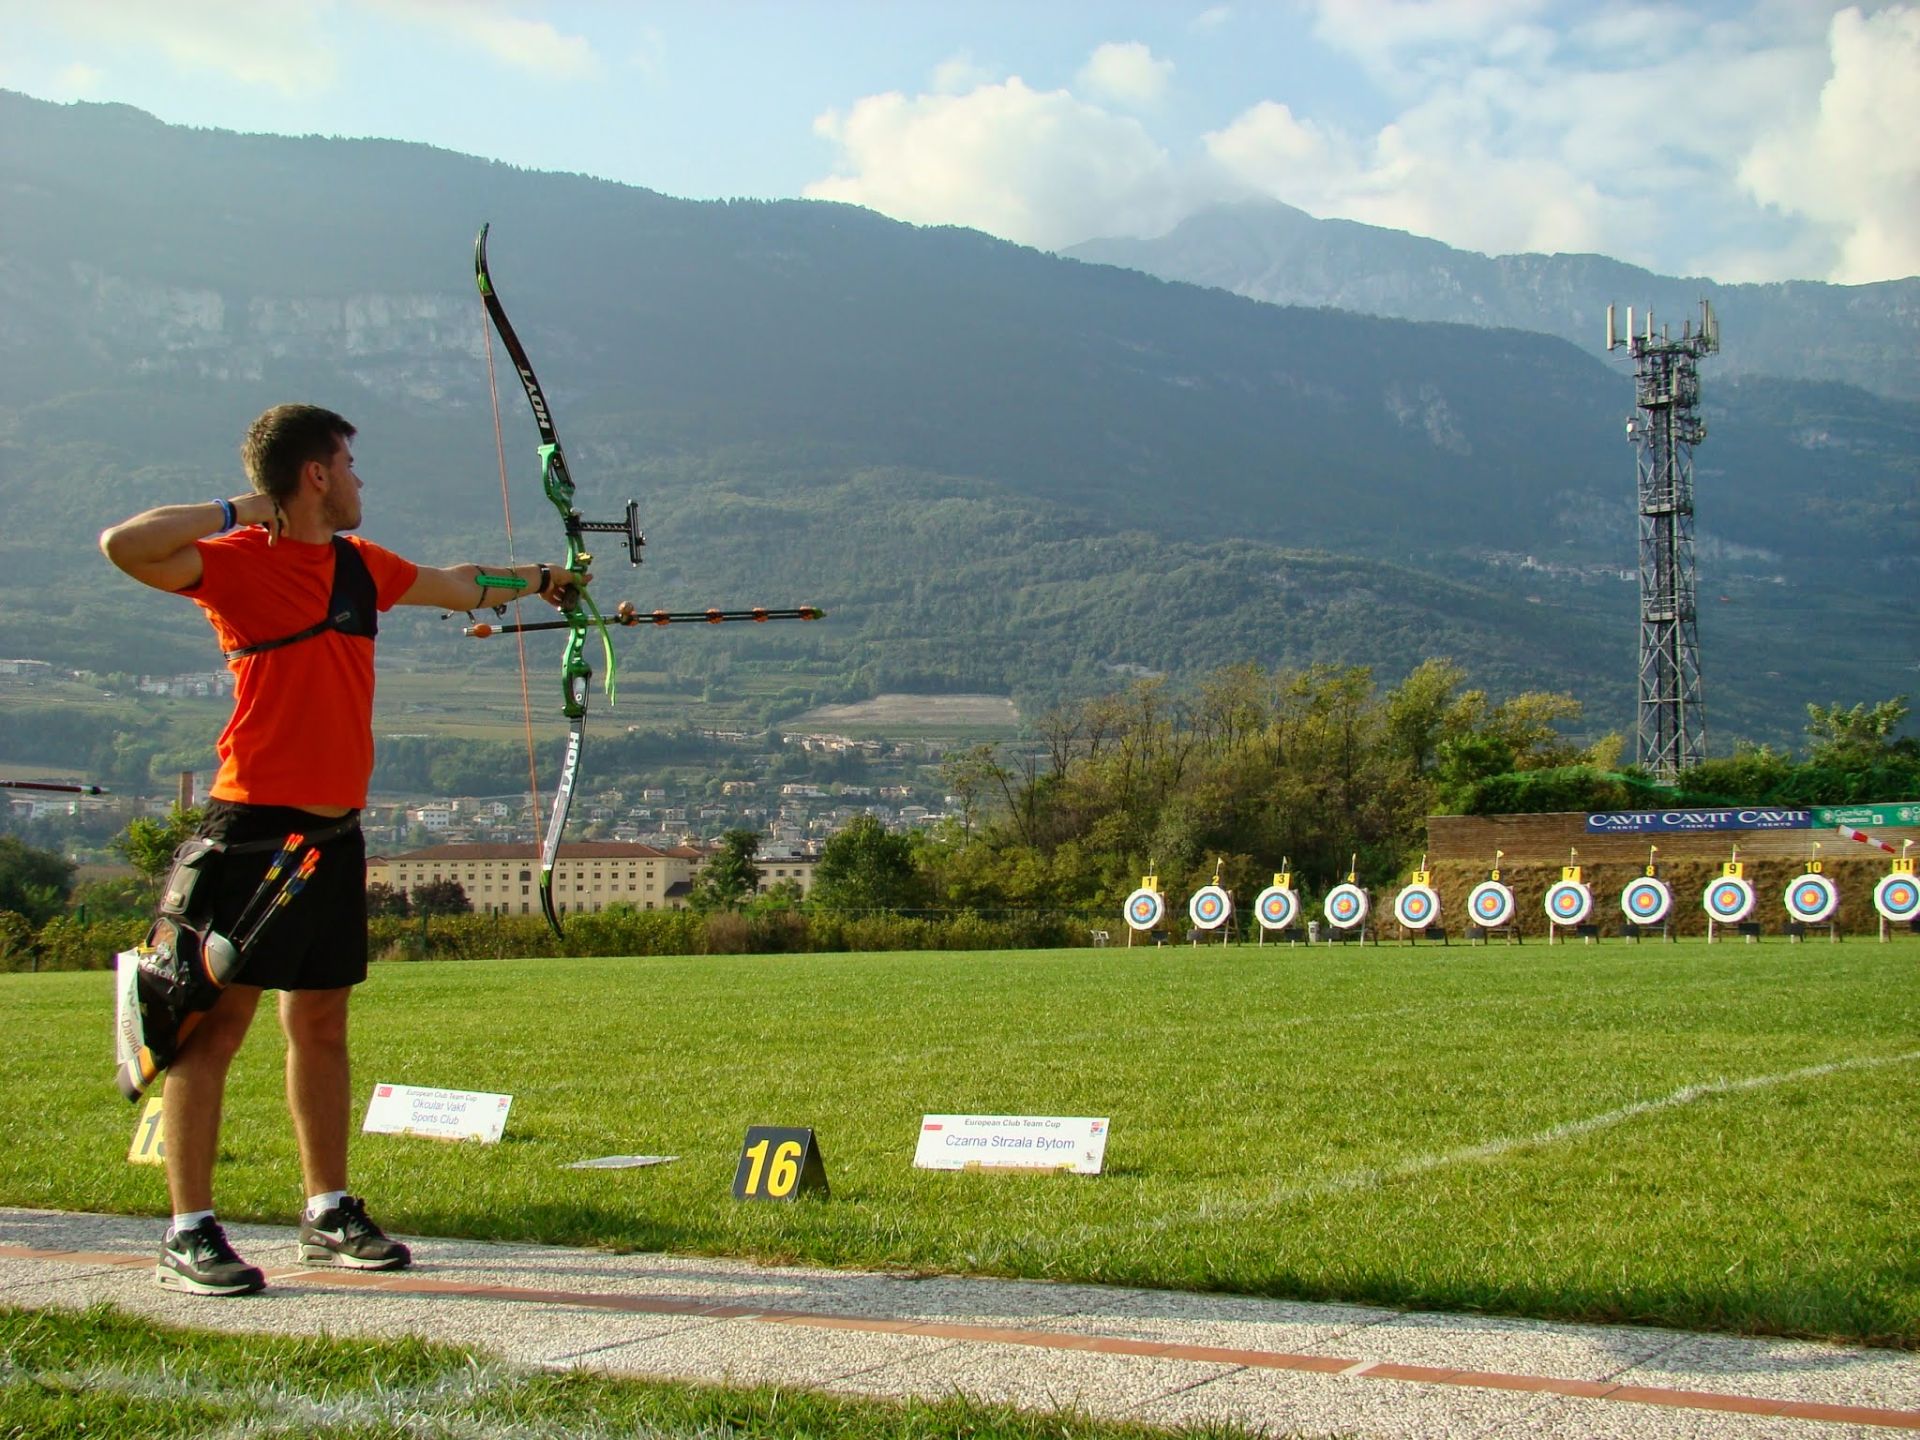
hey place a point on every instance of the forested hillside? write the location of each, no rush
(997, 469)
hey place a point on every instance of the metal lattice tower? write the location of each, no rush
(1672, 724)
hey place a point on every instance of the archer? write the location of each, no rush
(293, 599)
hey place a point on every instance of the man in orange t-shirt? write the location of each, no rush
(293, 601)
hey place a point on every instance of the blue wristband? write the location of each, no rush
(227, 520)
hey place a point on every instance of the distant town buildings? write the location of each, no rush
(588, 875)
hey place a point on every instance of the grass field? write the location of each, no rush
(1720, 1137)
(63, 1375)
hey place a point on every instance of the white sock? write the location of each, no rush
(187, 1219)
(318, 1205)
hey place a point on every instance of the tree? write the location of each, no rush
(865, 868)
(16, 940)
(149, 844)
(441, 897)
(383, 899)
(728, 879)
(34, 883)
(1858, 732)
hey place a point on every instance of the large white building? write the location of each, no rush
(589, 875)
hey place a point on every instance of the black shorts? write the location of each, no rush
(318, 940)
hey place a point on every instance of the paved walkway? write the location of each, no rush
(1153, 1356)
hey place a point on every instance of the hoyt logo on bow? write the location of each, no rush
(578, 611)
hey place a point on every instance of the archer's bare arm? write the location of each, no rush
(156, 547)
(457, 587)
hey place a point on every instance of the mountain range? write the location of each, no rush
(1864, 335)
(998, 469)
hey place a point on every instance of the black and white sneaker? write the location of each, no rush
(201, 1262)
(345, 1236)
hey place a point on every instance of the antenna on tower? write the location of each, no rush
(1672, 716)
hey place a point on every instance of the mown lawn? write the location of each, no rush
(1720, 1137)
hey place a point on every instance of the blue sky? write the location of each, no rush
(1743, 139)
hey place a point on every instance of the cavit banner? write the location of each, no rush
(1642, 822)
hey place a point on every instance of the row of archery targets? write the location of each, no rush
(1646, 901)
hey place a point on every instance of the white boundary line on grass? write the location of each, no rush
(1369, 1176)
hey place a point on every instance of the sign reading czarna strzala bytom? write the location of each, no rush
(1642, 822)
(1012, 1142)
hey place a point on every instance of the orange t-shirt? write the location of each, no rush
(302, 726)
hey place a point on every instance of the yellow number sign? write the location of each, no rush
(779, 1162)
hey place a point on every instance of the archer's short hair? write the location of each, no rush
(284, 439)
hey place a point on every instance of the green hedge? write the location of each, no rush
(685, 932)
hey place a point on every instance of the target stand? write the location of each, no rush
(1728, 901)
(1146, 911)
(1569, 906)
(1492, 907)
(1346, 908)
(1210, 908)
(1647, 902)
(1813, 903)
(1417, 908)
(1276, 908)
(1897, 897)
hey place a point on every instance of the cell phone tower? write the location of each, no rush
(1672, 725)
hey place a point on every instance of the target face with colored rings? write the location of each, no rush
(1491, 904)
(1728, 899)
(1897, 897)
(1812, 899)
(1646, 901)
(1416, 907)
(1568, 902)
(1277, 907)
(1145, 909)
(1209, 906)
(1346, 906)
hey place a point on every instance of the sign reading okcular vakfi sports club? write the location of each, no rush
(1640, 822)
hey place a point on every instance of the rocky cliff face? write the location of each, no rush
(412, 344)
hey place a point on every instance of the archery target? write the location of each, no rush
(1277, 907)
(1812, 899)
(1728, 899)
(1416, 907)
(1897, 897)
(1209, 906)
(1646, 901)
(1568, 902)
(1491, 904)
(1145, 909)
(1346, 906)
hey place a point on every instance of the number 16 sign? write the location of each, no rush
(779, 1162)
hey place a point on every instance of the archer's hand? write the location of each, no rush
(566, 587)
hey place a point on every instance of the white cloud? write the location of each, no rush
(1852, 166)
(1212, 18)
(1269, 150)
(1039, 167)
(281, 46)
(78, 82)
(957, 74)
(1126, 74)
(531, 45)
(1389, 36)
(1605, 134)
